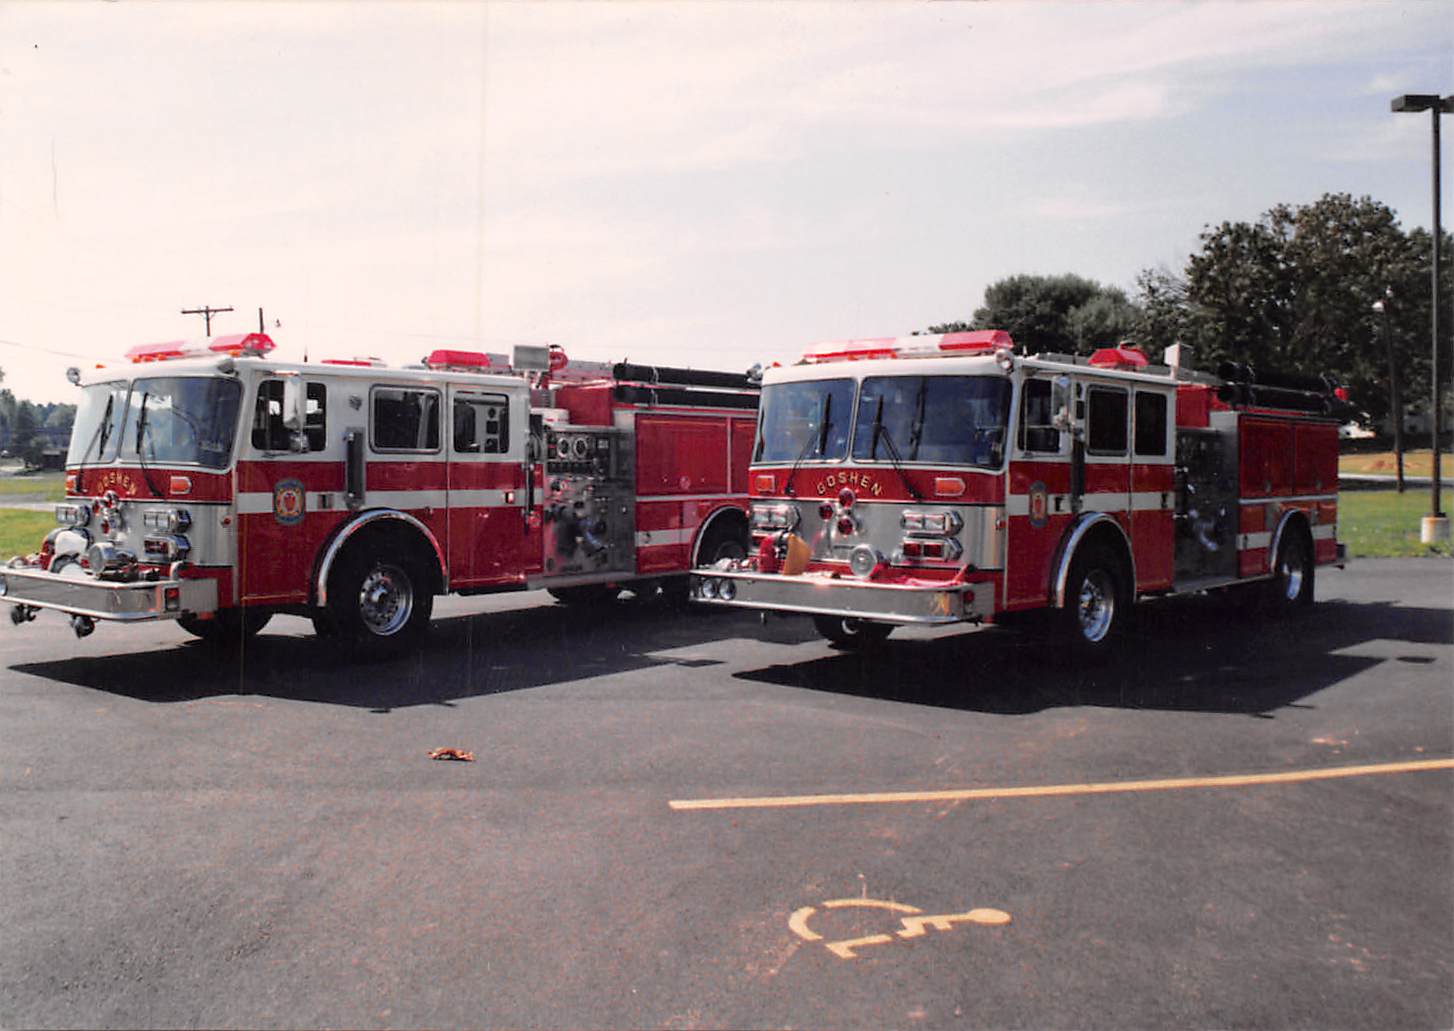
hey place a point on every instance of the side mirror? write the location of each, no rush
(1062, 403)
(295, 413)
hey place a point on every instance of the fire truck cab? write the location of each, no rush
(945, 479)
(210, 484)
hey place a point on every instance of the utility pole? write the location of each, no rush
(206, 313)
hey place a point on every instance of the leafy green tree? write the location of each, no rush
(1295, 290)
(1066, 313)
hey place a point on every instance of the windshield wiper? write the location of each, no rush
(916, 433)
(881, 432)
(103, 433)
(821, 441)
(140, 453)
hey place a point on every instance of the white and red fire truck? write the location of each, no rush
(945, 479)
(210, 484)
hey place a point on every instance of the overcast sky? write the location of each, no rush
(681, 183)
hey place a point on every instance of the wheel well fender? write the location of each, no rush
(381, 520)
(1294, 520)
(729, 518)
(1093, 529)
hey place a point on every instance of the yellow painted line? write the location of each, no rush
(1054, 790)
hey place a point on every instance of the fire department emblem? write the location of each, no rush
(1039, 505)
(289, 502)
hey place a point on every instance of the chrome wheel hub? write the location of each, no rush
(1096, 606)
(385, 600)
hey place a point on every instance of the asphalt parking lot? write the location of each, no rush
(695, 820)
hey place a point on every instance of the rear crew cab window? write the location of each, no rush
(1150, 423)
(404, 419)
(1106, 421)
(482, 424)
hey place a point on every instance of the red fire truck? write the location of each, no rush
(210, 484)
(944, 479)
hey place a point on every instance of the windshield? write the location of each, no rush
(181, 421)
(166, 420)
(95, 435)
(949, 420)
(803, 421)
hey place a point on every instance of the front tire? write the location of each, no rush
(847, 632)
(1095, 602)
(382, 603)
(228, 626)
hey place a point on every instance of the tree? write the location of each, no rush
(1066, 313)
(1295, 290)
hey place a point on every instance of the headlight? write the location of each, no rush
(726, 590)
(774, 517)
(167, 520)
(73, 515)
(944, 523)
(709, 589)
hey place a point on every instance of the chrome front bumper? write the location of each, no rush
(132, 602)
(820, 593)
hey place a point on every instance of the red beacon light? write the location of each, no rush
(1122, 356)
(235, 345)
(446, 360)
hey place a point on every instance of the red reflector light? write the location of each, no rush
(913, 549)
(764, 483)
(845, 525)
(172, 598)
(825, 511)
(846, 498)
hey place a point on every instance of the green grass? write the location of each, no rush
(1385, 523)
(21, 531)
(42, 486)
(1416, 463)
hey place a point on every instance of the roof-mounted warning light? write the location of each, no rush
(931, 345)
(446, 360)
(1122, 356)
(358, 362)
(234, 345)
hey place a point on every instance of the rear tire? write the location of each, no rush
(1291, 586)
(848, 632)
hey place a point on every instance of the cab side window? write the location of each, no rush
(1150, 423)
(1037, 432)
(268, 432)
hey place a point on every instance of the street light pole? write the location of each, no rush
(1436, 524)
(1395, 403)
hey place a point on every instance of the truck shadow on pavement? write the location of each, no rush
(1194, 654)
(461, 657)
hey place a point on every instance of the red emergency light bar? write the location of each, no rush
(979, 341)
(238, 345)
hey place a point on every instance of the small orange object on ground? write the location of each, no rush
(452, 753)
